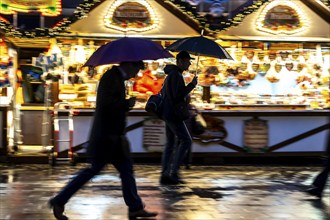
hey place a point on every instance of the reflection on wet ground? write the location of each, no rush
(211, 192)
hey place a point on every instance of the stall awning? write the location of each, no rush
(288, 21)
(149, 20)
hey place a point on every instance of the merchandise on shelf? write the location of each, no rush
(259, 77)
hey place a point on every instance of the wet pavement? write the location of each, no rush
(211, 192)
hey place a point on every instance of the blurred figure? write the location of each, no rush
(194, 128)
(320, 180)
(108, 142)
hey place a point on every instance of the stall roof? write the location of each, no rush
(317, 27)
(78, 24)
(217, 21)
(168, 26)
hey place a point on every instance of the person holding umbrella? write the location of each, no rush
(178, 139)
(108, 143)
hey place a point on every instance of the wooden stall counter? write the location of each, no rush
(287, 131)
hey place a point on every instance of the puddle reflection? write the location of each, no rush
(8, 178)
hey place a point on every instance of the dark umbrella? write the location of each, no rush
(127, 49)
(200, 46)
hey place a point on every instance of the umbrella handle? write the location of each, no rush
(197, 65)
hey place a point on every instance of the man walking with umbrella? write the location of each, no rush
(108, 143)
(178, 139)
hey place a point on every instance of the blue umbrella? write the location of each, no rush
(127, 49)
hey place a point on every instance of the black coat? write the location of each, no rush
(109, 118)
(175, 87)
(327, 148)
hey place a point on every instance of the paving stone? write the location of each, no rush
(211, 193)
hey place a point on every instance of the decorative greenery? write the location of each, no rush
(220, 23)
(208, 22)
(81, 12)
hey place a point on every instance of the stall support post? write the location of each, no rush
(3, 135)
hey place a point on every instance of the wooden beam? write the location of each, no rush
(298, 137)
(232, 146)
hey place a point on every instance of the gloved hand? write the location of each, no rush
(194, 81)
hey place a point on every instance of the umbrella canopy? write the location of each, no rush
(127, 50)
(200, 46)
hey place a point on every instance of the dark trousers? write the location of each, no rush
(321, 179)
(188, 158)
(125, 169)
(178, 141)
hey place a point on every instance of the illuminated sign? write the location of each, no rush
(3, 51)
(131, 15)
(45, 7)
(281, 17)
(5, 61)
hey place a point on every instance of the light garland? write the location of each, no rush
(182, 6)
(108, 19)
(81, 12)
(261, 18)
(217, 24)
(49, 8)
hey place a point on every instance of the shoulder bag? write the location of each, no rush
(154, 105)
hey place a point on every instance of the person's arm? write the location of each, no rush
(180, 90)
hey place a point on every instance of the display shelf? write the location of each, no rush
(261, 107)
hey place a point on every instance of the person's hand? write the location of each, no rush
(194, 81)
(131, 102)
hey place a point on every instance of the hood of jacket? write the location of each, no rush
(171, 68)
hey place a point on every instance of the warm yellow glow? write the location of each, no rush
(108, 17)
(261, 18)
(45, 7)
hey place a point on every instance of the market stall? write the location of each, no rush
(57, 74)
(281, 82)
(279, 77)
(7, 95)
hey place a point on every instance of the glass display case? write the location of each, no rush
(262, 75)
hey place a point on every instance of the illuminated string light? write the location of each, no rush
(11, 7)
(267, 8)
(108, 19)
(215, 25)
(189, 11)
(81, 12)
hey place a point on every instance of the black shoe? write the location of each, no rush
(177, 178)
(166, 180)
(141, 213)
(57, 210)
(181, 181)
(314, 192)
